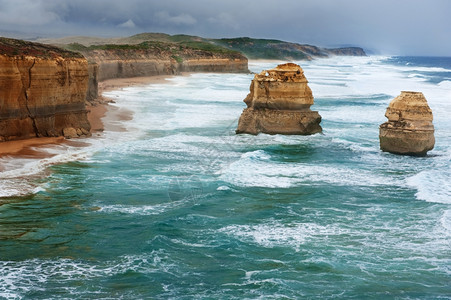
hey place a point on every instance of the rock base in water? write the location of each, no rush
(254, 121)
(409, 129)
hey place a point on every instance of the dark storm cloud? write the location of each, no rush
(398, 27)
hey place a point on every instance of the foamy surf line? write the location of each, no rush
(18, 175)
(19, 179)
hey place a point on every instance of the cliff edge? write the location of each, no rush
(42, 91)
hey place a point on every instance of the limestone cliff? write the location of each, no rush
(279, 102)
(409, 129)
(156, 58)
(42, 91)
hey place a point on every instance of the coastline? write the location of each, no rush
(101, 116)
(23, 147)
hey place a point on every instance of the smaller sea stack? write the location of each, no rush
(409, 129)
(279, 103)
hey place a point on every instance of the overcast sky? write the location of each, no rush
(403, 27)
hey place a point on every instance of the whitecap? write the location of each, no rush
(274, 234)
(141, 210)
(223, 188)
(18, 177)
(445, 222)
(250, 172)
(18, 278)
(256, 155)
(432, 185)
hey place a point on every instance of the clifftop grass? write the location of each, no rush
(175, 49)
(262, 48)
(13, 47)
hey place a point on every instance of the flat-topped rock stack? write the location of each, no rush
(409, 129)
(279, 103)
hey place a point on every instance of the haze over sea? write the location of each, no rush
(178, 206)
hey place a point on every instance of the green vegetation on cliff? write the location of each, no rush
(250, 47)
(13, 47)
(177, 51)
(262, 49)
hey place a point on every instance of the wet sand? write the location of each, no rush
(22, 147)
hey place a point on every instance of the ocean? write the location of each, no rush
(178, 206)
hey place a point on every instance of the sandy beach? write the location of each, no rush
(119, 83)
(101, 116)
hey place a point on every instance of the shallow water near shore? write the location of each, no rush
(178, 206)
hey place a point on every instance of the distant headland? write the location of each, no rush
(252, 48)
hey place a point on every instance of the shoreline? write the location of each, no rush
(101, 116)
(120, 83)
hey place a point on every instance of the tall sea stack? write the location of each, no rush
(409, 129)
(279, 103)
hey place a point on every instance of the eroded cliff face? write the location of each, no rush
(215, 64)
(42, 91)
(409, 129)
(151, 61)
(279, 103)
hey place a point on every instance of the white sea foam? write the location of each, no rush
(354, 146)
(13, 180)
(350, 114)
(445, 222)
(256, 170)
(274, 234)
(432, 185)
(144, 210)
(223, 188)
(207, 99)
(17, 278)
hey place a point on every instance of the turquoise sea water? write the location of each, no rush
(178, 206)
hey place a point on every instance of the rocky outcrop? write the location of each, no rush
(279, 103)
(42, 91)
(409, 129)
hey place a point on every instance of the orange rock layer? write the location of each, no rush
(279, 103)
(42, 95)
